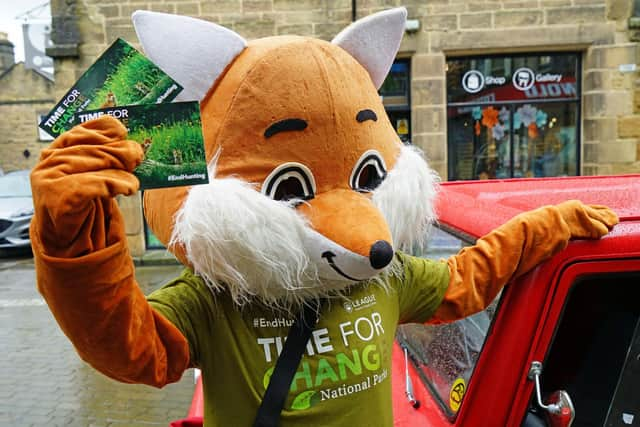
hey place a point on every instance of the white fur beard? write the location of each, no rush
(406, 199)
(241, 240)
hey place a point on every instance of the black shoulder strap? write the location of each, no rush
(286, 366)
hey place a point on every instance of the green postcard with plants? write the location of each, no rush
(120, 76)
(171, 138)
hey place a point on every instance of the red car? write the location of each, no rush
(560, 346)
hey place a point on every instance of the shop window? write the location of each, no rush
(513, 116)
(634, 20)
(395, 93)
(151, 241)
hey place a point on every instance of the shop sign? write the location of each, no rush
(473, 81)
(523, 79)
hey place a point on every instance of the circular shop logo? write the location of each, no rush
(473, 81)
(523, 79)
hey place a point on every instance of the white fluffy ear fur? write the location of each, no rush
(406, 199)
(374, 41)
(192, 51)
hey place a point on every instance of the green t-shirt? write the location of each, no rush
(344, 376)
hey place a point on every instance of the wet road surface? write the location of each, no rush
(43, 382)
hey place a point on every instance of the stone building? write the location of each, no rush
(487, 88)
(24, 95)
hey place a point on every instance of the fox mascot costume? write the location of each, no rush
(312, 197)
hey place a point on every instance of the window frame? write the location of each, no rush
(566, 302)
(395, 109)
(413, 351)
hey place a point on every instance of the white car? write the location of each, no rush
(16, 210)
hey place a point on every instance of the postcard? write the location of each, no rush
(120, 76)
(171, 138)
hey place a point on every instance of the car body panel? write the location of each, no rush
(568, 276)
(477, 207)
(499, 390)
(16, 210)
(12, 205)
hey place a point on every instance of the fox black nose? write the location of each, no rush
(381, 254)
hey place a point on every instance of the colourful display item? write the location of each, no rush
(120, 76)
(171, 137)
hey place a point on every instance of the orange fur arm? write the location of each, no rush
(477, 273)
(83, 266)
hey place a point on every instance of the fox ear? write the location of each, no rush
(374, 41)
(192, 51)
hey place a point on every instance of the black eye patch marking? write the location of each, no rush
(284, 126)
(365, 115)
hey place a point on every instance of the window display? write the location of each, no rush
(395, 97)
(513, 117)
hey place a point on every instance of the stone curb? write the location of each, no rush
(149, 258)
(156, 257)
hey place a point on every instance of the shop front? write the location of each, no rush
(513, 116)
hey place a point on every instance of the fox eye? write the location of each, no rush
(290, 181)
(369, 172)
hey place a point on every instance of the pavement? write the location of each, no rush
(43, 382)
(156, 257)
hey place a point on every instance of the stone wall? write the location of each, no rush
(23, 94)
(7, 56)
(101, 22)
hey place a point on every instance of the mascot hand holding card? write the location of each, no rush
(312, 197)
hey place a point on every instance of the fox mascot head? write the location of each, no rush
(310, 188)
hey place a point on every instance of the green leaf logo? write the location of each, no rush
(267, 377)
(303, 400)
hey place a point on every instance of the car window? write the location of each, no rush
(594, 355)
(446, 355)
(15, 185)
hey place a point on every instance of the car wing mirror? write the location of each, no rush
(558, 406)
